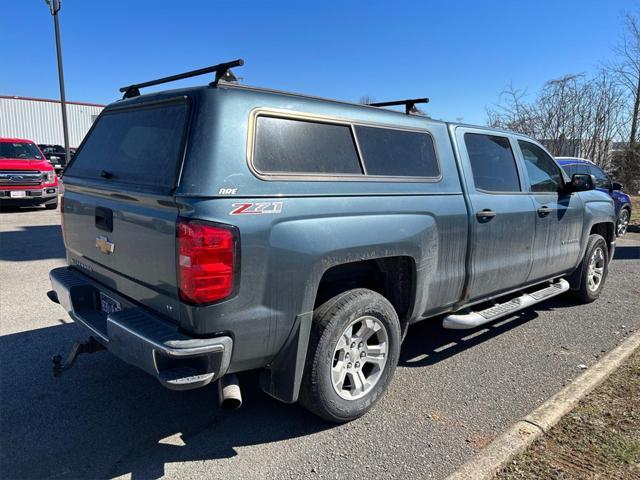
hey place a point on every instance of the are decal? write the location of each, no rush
(256, 208)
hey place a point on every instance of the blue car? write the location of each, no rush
(621, 200)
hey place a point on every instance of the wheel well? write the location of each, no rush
(392, 277)
(606, 231)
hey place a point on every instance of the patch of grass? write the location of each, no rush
(588, 410)
(635, 211)
(599, 439)
(625, 449)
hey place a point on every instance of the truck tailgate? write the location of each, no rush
(119, 213)
(136, 255)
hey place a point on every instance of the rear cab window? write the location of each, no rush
(139, 146)
(291, 146)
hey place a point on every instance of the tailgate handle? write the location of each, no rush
(104, 219)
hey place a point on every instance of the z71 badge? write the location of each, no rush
(256, 208)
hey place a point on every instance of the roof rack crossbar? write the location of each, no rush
(221, 70)
(409, 104)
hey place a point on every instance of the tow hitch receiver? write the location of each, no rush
(88, 346)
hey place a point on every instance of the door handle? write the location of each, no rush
(544, 211)
(486, 214)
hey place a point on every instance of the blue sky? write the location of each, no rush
(461, 54)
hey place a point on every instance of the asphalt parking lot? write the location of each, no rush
(452, 394)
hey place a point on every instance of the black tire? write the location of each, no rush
(51, 206)
(330, 320)
(586, 293)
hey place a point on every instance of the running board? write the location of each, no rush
(457, 321)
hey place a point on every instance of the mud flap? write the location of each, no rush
(282, 378)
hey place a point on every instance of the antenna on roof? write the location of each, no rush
(222, 71)
(409, 104)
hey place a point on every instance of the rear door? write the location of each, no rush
(503, 220)
(558, 216)
(119, 215)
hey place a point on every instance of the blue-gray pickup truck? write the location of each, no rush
(225, 228)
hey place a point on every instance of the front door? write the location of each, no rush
(503, 220)
(558, 214)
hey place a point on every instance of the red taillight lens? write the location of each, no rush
(206, 262)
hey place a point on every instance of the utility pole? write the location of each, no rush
(54, 6)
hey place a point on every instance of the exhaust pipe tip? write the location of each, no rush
(229, 393)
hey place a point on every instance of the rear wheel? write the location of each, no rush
(595, 265)
(623, 222)
(353, 351)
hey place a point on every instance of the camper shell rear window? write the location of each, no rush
(140, 146)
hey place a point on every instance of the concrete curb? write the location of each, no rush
(521, 434)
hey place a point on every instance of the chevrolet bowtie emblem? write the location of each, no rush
(104, 245)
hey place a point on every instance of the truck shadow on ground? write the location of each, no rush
(428, 343)
(36, 242)
(627, 252)
(104, 418)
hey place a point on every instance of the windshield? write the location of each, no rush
(24, 150)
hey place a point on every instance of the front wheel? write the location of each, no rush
(353, 351)
(594, 269)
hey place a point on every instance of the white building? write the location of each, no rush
(40, 120)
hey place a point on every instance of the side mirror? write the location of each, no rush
(581, 182)
(616, 186)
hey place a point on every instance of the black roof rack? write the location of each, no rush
(221, 70)
(409, 104)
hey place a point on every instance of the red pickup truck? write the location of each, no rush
(26, 177)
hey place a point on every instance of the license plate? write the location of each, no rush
(109, 305)
(18, 193)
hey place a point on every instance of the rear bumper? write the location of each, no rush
(141, 338)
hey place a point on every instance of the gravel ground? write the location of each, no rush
(452, 394)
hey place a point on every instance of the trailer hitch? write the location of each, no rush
(88, 346)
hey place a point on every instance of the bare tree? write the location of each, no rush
(627, 70)
(572, 115)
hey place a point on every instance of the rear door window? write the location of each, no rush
(138, 146)
(492, 163)
(397, 153)
(286, 146)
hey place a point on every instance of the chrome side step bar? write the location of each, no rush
(457, 321)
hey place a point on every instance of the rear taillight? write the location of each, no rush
(207, 261)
